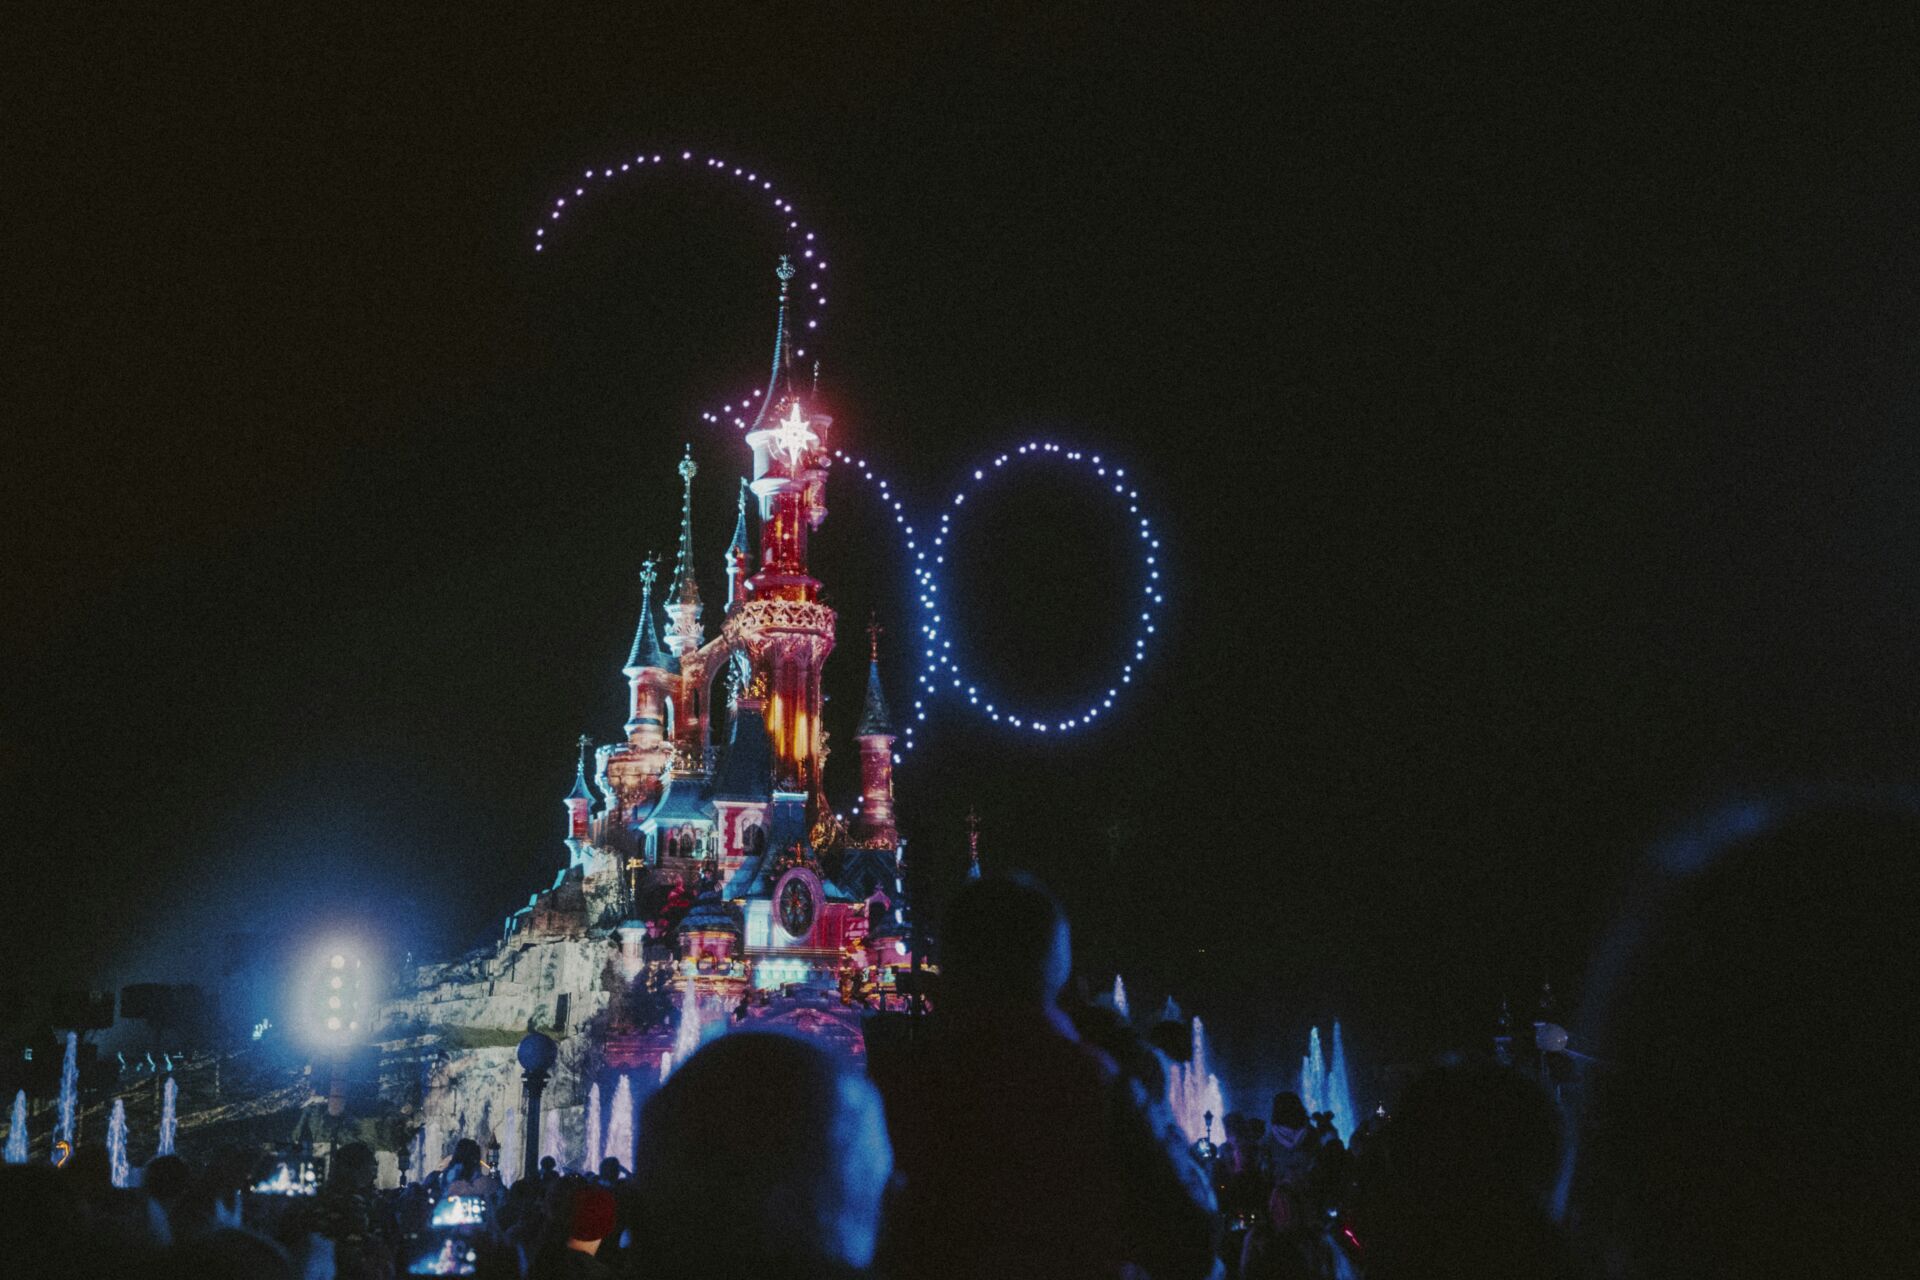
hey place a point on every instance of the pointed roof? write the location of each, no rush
(874, 718)
(647, 650)
(781, 386)
(739, 543)
(580, 791)
(683, 589)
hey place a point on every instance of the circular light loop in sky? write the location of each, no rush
(804, 247)
(941, 673)
(928, 545)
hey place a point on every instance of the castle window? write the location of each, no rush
(753, 840)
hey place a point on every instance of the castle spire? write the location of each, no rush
(580, 791)
(739, 554)
(780, 384)
(683, 583)
(874, 718)
(973, 844)
(784, 620)
(647, 650)
(683, 593)
(874, 825)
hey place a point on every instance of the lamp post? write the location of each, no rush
(538, 1053)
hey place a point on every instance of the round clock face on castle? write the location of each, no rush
(794, 900)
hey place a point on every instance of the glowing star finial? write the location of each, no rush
(792, 436)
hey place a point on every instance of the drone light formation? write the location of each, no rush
(941, 672)
(808, 253)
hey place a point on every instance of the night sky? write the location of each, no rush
(1528, 398)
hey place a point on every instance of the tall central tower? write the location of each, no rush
(787, 632)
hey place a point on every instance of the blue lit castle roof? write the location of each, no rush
(647, 650)
(580, 790)
(873, 717)
(711, 915)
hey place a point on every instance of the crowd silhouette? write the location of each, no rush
(1750, 1013)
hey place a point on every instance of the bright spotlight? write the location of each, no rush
(337, 995)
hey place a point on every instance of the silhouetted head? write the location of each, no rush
(1758, 1043)
(1473, 1133)
(466, 1152)
(1106, 1031)
(353, 1167)
(90, 1169)
(214, 1200)
(762, 1149)
(1463, 1179)
(1172, 1038)
(548, 1166)
(588, 1212)
(167, 1180)
(1288, 1111)
(612, 1170)
(1004, 942)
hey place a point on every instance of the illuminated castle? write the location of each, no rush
(709, 881)
(713, 824)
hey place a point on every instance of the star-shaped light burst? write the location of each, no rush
(793, 437)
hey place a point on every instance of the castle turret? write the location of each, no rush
(579, 803)
(649, 668)
(788, 628)
(739, 555)
(875, 824)
(630, 771)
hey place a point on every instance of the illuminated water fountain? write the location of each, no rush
(117, 1143)
(1339, 1094)
(169, 1117)
(1313, 1075)
(688, 1038)
(509, 1136)
(590, 1157)
(69, 1090)
(1324, 1088)
(1193, 1092)
(17, 1131)
(620, 1131)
